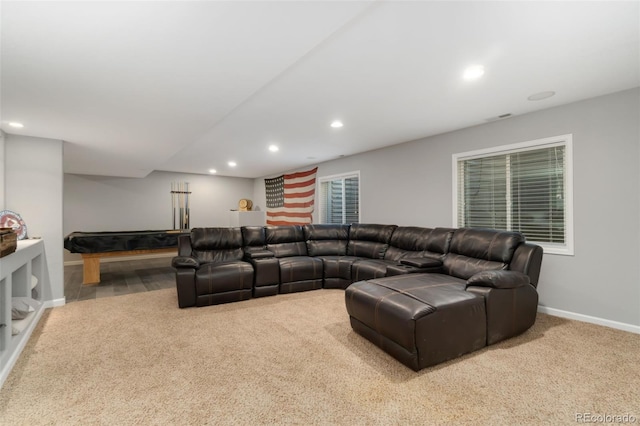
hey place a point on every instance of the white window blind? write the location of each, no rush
(340, 198)
(524, 187)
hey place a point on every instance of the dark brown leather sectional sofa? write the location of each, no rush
(423, 295)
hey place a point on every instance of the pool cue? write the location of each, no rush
(173, 207)
(181, 205)
(177, 207)
(186, 205)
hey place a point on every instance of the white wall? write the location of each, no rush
(411, 184)
(99, 203)
(33, 189)
(2, 144)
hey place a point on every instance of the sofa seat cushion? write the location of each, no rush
(337, 266)
(366, 269)
(420, 319)
(300, 268)
(221, 277)
(337, 271)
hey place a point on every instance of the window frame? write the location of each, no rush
(567, 248)
(330, 178)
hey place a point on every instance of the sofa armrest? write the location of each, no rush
(258, 254)
(184, 245)
(186, 287)
(185, 262)
(421, 262)
(528, 259)
(499, 279)
(186, 267)
(510, 311)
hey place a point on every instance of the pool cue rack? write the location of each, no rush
(180, 204)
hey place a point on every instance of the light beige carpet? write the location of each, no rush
(293, 359)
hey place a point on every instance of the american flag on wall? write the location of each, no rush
(290, 198)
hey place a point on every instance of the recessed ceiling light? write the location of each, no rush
(542, 95)
(473, 72)
(213, 171)
(337, 124)
(16, 125)
(232, 163)
(273, 148)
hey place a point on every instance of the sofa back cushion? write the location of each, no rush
(285, 241)
(369, 240)
(253, 238)
(327, 239)
(440, 240)
(413, 241)
(216, 244)
(473, 250)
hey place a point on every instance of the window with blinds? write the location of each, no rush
(523, 187)
(340, 198)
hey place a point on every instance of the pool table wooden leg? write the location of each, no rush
(91, 269)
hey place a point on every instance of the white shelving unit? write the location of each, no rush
(250, 218)
(22, 274)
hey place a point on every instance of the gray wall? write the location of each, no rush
(2, 144)
(411, 184)
(33, 182)
(99, 203)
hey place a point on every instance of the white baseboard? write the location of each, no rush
(123, 258)
(587, 318)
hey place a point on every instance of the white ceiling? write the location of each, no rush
(133, 87)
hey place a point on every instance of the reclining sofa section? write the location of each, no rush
(423, 295)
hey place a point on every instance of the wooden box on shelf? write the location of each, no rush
(8, 241)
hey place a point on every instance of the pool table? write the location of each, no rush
(95, 245)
